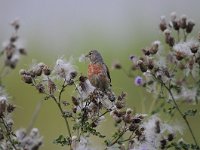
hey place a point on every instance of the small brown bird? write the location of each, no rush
(98, 72)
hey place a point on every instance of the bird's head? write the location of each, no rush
(94, 56)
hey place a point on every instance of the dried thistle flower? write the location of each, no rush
(116, 65)
(150, 64)
(3, 105)
(46, 70)
(183, 21)
(155, 47)
(146, 51)
(51, 86)
(11, 48)
(22, 51)
(174, 21)
(182, 50)
(73, 75)
(75, 101)
(27, 78)
(142, 65)
(64, 69)
(41, 88)
(180, 55)
(85, 87)
(168, 38)
(37, 69)
(193, 45)
(163, 24)
(190, 26)
(119, 104)
(15, 24)
(173, 16)
(10, 108)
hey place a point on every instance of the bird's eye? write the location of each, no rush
(90, 53)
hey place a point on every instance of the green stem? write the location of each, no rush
(178, 109)
(185, 35)
(120, 135)
(182, 115)
(116, 140)
(178, 36)
(62, 90)
(130, 138)
(58, 103)
(66, 121)
(100, 116)
(62, 112)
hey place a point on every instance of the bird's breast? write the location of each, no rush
(94, 69)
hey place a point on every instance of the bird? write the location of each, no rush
(98, 72)
(99, 75)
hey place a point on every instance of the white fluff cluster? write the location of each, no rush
(154, 132)
(63, 69)
(187, 95)
(33, 140)
(82, 144)
(82, 58)
(86, 88)
(185, 47)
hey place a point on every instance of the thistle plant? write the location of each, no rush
(89, 106)
(171, 71)
(171, 75)
(10, 139)
(12, 49)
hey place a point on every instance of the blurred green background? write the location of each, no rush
(54, 28)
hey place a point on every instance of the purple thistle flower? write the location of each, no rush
(138, 81)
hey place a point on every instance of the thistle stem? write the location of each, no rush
(66, 121)
(182, 115)
(178, 36)
(62, 112)
(178, 109)
(185, 35)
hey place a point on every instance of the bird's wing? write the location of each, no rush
(107, 71)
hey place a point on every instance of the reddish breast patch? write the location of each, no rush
(94, 69)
